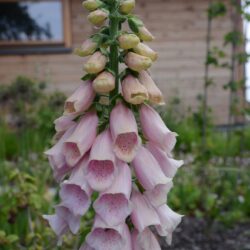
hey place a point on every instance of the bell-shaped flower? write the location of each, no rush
(145, 240)
(85, 246)
(98, 17)
(81, 139)
(101, 168)
(76, 193)
(88, 48)
(147, 170)
(132, 91)
(126, 6)
(143, 214)
(144, 50)
(158, 195)
(124, 131)
(113, 205)
(91, 5)
(169, 221)
(56, 157)
(96, 63)
(80, 100)
(155, 95)
(145, 34)
(104, 83)
(128, 41)
(168, 165)
(137, 62)
(63, 221)
(103, 237)
(64, 122)
(155, 130)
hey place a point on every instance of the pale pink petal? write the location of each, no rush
(143, 214)
(155, 130)
(81, 139)
(80, 100)
(145, 240)
(64, 122)
(56, 158)
(127, 239)
(72, 221)
(124, 132)
(147, 170)
(113, 204)
(60, 173)
(58, 225)
(75, 193)
(101, 168)
(168, 165)
(169, 220)
(103, 237)
(158, 195)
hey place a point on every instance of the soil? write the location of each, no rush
(195, 234)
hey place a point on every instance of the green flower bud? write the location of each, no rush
(144, 50)
(128, 41)
(127, 6)
(91, 4)
(87, 48)
(145, 34)
(96, 63)
(98, 17)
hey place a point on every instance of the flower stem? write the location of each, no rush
(114, 49)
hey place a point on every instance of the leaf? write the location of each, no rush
(88, 77)
(134, 24)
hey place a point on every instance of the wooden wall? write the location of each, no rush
(180, 29)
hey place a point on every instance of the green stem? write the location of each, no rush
(114, 49)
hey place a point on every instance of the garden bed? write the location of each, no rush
(194, 234)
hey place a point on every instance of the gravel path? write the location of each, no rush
(193, 234)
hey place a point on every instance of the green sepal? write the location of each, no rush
(134, 23)
(88, 77)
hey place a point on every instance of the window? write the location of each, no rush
(38, 24)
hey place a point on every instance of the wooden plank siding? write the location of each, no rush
(180, 29)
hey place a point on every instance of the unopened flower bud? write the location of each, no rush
(144, 50)
(98, 17)
(137, 62)
(91, 4)
(145, 34)
(155, 95)
(128, 41)
(87, 48)
(127, 6)
(96, 63)
(104, 82)
(132, 91)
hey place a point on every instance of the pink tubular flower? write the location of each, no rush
(145, 240)
(56, 157)
(101, 168)
(85, 246)
(96, 63)
(80, 100)
(124, 132)
(158, 195)
(81, 139)
(132, 91)
(168, 165)
(143, 214)
(155, 95)
(113, 205)
(155, 130)
(169, 221)
(64, 122)
(63, 221)
(103, 237)
(75, 192)
(137, 62)
(147, 170)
